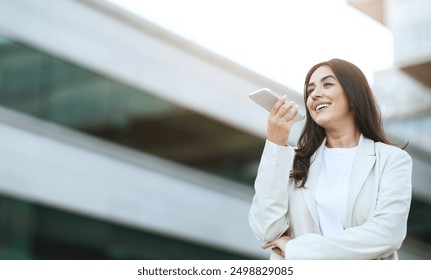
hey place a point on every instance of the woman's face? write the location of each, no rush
(326, 100)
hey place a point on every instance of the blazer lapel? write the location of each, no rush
(362, 165)
(309, 191)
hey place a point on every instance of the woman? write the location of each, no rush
(345, 192)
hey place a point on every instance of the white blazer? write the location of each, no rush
(378, 204)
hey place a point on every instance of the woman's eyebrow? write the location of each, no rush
(327, 77)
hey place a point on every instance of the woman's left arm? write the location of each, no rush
(384, 231)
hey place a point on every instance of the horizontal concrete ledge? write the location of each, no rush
(54, 166)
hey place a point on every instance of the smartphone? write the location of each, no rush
(267, 98)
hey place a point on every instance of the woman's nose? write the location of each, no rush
(316, 94)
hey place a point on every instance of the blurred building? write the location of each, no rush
(121, 140)
(404, 94)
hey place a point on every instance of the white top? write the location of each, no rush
(332, 188)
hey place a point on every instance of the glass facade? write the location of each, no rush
(414, 130)
(51, 89)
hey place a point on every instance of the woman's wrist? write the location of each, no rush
(279, 142)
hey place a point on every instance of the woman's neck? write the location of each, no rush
(342, 138)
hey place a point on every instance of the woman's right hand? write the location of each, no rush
(278, 245)
(281, 118)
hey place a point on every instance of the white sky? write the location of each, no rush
(280, 39)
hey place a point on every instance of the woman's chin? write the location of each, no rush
(322, 121)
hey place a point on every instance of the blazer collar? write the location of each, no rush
(363, 163)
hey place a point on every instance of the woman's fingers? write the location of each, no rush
(267, 245)
(278, 251)
(278, 104)
(280, 121)
(284, 110)
(274, 248)
(292, 114)
(278, 245)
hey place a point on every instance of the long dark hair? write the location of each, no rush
(366, 112)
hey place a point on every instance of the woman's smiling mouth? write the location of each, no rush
(322, 106)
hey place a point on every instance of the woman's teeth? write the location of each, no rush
(322, 106)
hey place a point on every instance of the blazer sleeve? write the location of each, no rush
(384, 231)
(268, 211)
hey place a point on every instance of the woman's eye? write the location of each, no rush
(328, 84)
(309, 91)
